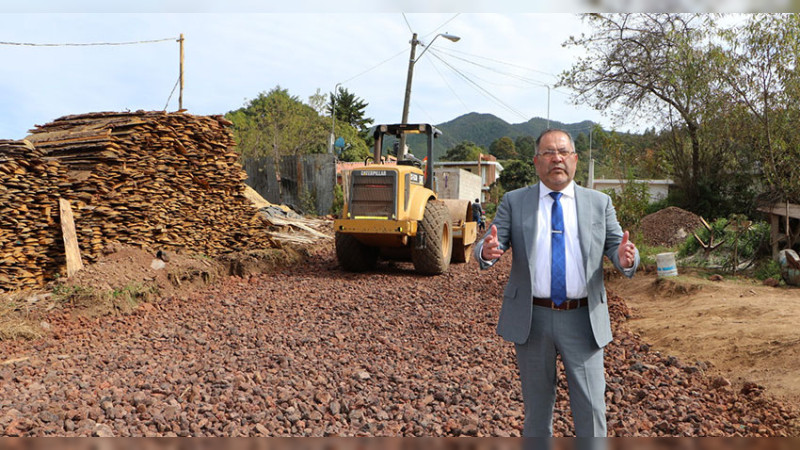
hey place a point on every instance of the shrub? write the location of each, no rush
(338, 201)
(691, 246)
(767, 268)
(631, 203)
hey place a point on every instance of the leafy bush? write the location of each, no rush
(737, 242)
(338, 201)
(630, 203)
(496, 193)
(691, 246)
(656, 206)
(767, 268)
(752, 240)
(757, 240)
(308, 202)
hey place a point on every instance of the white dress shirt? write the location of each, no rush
(576, 273)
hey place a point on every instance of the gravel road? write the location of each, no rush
(313, 351)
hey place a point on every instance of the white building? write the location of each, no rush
(658, 189)
(488, 168)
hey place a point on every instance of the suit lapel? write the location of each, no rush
(583, 206)
(530, 210)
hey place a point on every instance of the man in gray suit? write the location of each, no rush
(555, 300)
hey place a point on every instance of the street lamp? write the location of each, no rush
(411, 61)
(548, 105)
(548, 102)
(333, 119)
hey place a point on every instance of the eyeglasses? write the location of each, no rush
(553, 153)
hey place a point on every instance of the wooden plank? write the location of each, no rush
(279, 222)
(73, 253)
(781, 209)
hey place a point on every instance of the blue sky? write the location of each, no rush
(502, 65)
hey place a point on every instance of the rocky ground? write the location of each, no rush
(309, 350)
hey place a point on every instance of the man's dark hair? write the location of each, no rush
(555, 130)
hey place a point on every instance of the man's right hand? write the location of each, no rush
(491, 246)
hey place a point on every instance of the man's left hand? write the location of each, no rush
(627, 252)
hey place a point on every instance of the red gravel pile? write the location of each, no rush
(314, 351)
(669, 227)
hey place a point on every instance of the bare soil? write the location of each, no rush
(748, 331)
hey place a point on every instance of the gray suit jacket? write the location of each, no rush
(599, 234)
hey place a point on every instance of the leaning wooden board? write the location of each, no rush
(73, 252)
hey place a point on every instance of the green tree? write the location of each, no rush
(355, 147)
(277, 124)
(464, 151)
(526, 147)
(503, 148)
(351, 110)
(630, 202)
(661, 66)
(761, 72)
(517, 174)
(317, 101)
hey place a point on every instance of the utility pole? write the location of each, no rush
(180, 94)
(401, 152)
(412, 59)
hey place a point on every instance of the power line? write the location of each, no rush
(374, 67)
(496, 71)
(450, 87)
(172, 92)
(480, 88)
(442, 25)
(407, 24)
(30, 44)
(465, 74)
(395, 55)
(510, 75)
(503, 62)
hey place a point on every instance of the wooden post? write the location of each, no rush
(71, 248)
(774, 234)
(480, 175)
(180, 94)
(789, 240)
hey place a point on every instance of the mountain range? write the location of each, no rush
(483, 129)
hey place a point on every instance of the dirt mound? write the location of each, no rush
(669, 227)
(126, 275)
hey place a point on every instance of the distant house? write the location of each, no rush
(487, 167)
(455, 183)
(658, 189)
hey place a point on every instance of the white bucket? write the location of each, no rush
(666, 265)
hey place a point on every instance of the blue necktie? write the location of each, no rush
(558, 267)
